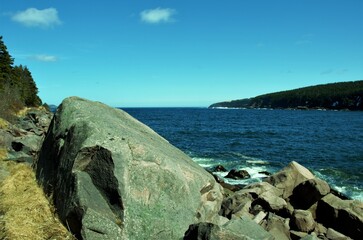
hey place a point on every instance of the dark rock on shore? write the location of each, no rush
(114, 178)
(238, 174)
(219, 168)
(345, 216)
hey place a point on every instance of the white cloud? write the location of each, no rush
(33, 17)
(157, 15)
(45, 58)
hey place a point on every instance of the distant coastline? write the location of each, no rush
(333, 96)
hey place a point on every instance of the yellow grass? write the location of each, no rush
(3, 124)
(27, 213)
(22, 112)
(3, 153)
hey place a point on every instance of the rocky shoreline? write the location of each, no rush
(111, 177)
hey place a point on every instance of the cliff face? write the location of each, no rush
(344, 95)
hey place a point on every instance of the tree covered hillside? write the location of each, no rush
(17, 87)
(342, 95)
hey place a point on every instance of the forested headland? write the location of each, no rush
(17, 86)
(333, 96)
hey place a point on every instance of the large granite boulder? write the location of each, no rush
(345, 216)
(112, 177)
(309, 192)
(290, 177)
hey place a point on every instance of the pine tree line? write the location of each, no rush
(17, 86)
(336, 96)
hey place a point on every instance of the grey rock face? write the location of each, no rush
(345, 216)
(238, 229)
(114, 178)
(289, 177)
(309, 192)
(303, 220)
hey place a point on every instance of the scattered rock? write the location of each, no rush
(289, 177)
(311, 236)
(296, 235)
(236, 203)
(303, 220)
(231, 187)
(219, 168)
(237, 229)
(265, 172)
(320, 230)
(255, 189)
(259, 217)
(99, 161)
(200, 231)
(270, 202)
(309, 192)
(345, 216)
(238, 174)
(334, 235)
(278, 227)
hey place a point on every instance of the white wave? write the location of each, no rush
(250, 160)
(353, 192)
(205, 162)
(254, 172)
(257, 161)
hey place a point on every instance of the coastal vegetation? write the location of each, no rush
(334, 96)
(17, 86)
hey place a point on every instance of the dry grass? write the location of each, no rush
(25, 110)
(22, 112)
(3, 124)
(27, 212)
(3, 153)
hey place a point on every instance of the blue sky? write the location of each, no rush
(182, 52)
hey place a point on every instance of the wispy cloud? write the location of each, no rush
(33, 17)
(326, 72)
(340, 71)
(305, 39)
(157, 15)
(44, 58)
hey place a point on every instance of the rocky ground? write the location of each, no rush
(25, 212)
(290, 204)
(113, 178)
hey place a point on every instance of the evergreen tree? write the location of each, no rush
(23, 80)
(17, 86)
(6, 64)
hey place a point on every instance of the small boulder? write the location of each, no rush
(259, 217)
(255, 189)
(303, 220)
(278, 227)
(219, 168)
(235, 203)
(238, 174)
(270, 202)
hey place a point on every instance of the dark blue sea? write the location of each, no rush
(329, 143)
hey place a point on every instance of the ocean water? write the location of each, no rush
(329, 143)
